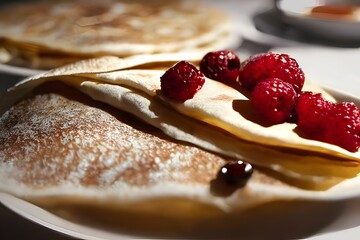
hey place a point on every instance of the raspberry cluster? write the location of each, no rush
(182, 81)
(275, 81)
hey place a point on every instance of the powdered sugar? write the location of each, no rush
(49, 141)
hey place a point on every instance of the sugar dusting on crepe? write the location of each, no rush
(122, 89)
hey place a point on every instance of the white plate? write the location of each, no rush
(315, 220)
(18, 71)
(296, 13)
(322, 220)
(275, 26)
(300, 220)
(51, 221)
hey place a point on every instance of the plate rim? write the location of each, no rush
(18, 71)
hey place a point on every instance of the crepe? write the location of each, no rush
(67, 31)
(78, 151)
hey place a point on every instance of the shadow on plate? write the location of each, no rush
(270, 22)
(276, 220)
(13, 226)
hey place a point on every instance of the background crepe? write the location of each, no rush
(67, 31)
(132, 85)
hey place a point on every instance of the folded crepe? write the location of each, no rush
(100, 132)
(47, 34)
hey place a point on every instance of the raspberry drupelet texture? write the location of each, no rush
(274, 99)
(222, 66)
(343, 126)
(181, 82)
(271, 65)
(335, 123)
(311, 112)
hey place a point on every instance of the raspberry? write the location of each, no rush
(343, 126)
(271, 65)
(222, 66)
(181, 82)
(274, 99)
(319, 119)
(312, 111)
(235, 173)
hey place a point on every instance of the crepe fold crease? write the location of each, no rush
(216, 126)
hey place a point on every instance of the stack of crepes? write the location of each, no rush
(48, 34)
(100, 132)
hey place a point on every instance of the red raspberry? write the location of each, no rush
(312, 111)
(222, 66)
(319, 119)
(235, 173)
(343, 126)
(182, 81)
(271, 65)
(274, 99)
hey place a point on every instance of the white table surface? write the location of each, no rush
(346, 225)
